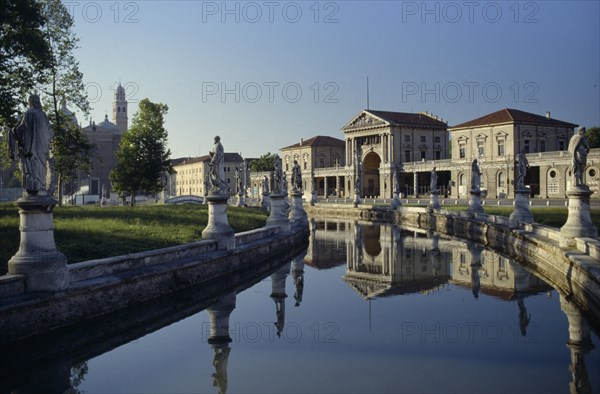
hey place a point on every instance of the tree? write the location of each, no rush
(143, 157)
(264, 163)
(593, 136)
(24, 52)
(61, 80)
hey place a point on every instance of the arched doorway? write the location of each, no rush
(370, 184)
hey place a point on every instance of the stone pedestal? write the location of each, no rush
(521, 212)
(475, 202)
(44, 268)
(579, 222)
(240, 200)
(297, 211)
(434, 202)
(219, 319)
(396, 203)
(218, 227)
(278, 215)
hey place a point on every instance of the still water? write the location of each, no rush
(367, 308)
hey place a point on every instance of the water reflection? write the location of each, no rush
(378, 262)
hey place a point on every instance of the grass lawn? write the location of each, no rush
(89, 232)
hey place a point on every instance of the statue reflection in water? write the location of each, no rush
(278, 295)
(219, 338)
(298, 277)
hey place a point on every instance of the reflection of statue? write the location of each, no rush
(280, 313)
(579, 147)
(220, 364)
(434, 180)
(217, 167)
(296, 177)
(522, 166)
(475, 280)
(524, 319)
(299, 283)
(29, 142)
(475, 176)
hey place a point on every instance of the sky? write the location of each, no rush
(264, 74)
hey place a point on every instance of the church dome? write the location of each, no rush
(108, 125)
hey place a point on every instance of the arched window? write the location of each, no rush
(501, 180)
(461, 180)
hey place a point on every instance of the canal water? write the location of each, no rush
(367, 308)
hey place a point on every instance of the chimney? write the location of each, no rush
(548, 114)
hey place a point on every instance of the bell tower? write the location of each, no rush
(120, 109)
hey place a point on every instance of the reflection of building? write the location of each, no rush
(327, 244)
(384, 261)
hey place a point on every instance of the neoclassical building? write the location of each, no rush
(379, 143)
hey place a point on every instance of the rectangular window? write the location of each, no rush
(438, 155)
(423, 155)
(406, 155)
(526, 146)
(305, 165)
(542, 145)
(436, 140)
(321, 163)
(423, 138)
(481, 150)
(462, 152)
(561, 144)
(407, 138)
(500, 148)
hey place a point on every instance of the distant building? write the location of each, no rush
(321, 155)
(191, 173)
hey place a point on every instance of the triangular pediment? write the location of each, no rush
(364, 120)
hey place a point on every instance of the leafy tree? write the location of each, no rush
(24, 52)
(593, 136)
(143, 157)
(62, 79)
(264, 163)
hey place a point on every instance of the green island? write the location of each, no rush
(91, 232)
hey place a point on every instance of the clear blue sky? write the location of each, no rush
(299, 69)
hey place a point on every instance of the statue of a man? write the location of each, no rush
(296, 177)
(579, 147)
(475, 176)
(29, 142)
(240, 184)
(397, 180)
(265, 185)
(434, 180)
(277, 176)
(522, 166)
(217, 167)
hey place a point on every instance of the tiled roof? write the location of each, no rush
(406, 118)
(508, 115)
(319, 140)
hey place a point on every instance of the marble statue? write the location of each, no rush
(278, 175)
(265, 185)
(238, 179)
(284, 183)
(296, 177)
(217, 167)
(579, 147)
(522, 166)
(475, 176)
(434, 180)
(397, 181)
(29, 143)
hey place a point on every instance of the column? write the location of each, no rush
(325, 186)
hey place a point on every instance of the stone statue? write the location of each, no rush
(217, 168)
(434, 181)
(278, 175)
(207, 185)
(522, 166)
(475, 176)
(579, 147)
(296, 177)
(284, 184)
(29, 143)
(265, 185)
(240, 184)
(397, 181)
